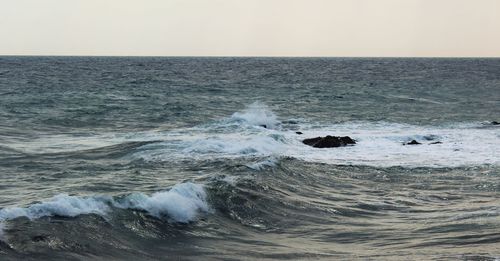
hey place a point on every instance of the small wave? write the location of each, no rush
(61, 143)
(78, 142)
(181, 203)
(267, 163)
(418, 99)
(60, 205)
(483, 213)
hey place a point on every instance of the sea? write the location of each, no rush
(201, 158)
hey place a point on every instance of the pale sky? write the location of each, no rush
(432, 28)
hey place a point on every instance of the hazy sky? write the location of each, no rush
(251, 27)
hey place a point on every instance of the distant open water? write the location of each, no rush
(166, 158)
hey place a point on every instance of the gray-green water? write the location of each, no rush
(163, 158)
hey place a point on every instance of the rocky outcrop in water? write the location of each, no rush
(413, 142)
(329, 141)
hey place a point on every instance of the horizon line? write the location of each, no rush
(246, 56)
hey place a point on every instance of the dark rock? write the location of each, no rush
(413, 142)
(495, 123)
(329, 141)
(437, 142)
(263, 126)
(299, 132)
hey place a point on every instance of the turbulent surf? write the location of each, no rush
(202, 158)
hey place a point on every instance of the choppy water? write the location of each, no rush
(162, 158)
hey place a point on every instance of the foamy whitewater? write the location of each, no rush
(202, 159)
(379, 144)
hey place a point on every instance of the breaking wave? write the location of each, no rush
(182, 203)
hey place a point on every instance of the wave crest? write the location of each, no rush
(182, 203)
(60, 205)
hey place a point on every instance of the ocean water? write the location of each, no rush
(166, 158)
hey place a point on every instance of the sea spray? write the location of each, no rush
(257, 114)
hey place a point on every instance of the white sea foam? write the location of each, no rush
(381, 145)
(182, 203)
